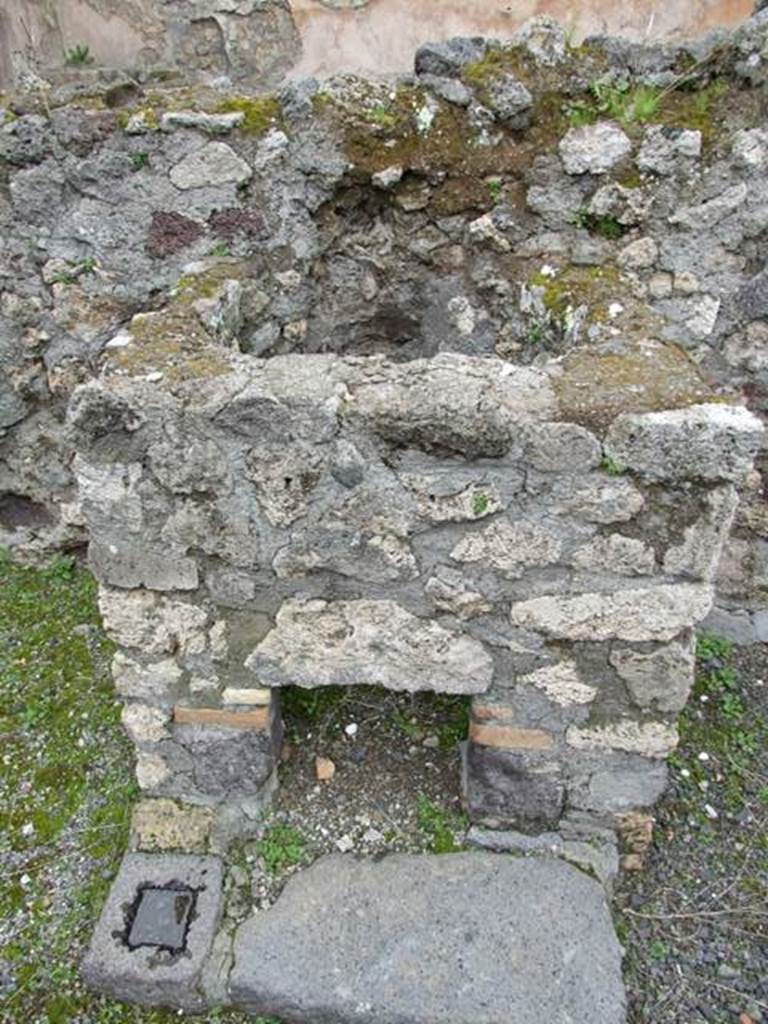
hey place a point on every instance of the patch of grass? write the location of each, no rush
(383, 116)
(710, 647)
(716, 726)
(625, 103)
(280, 847)
(612, 467)
(312, 705)
(439, 826)
(407, 725)
(79, 56)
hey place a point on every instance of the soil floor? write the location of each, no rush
(694, 922)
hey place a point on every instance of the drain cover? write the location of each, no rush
(162, 918)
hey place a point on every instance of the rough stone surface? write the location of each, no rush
(503, 787)
(653, 739)
(720, 442)
(214, 164)
(326, 643)
(657, 613)
(145, 974)
(162, 825)
(594, 148)
(344, 938)
(661, 679)
(667, 151)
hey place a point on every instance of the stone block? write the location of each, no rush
(510, 547)
(214, 164)
(508, 788)
(661, 679)
(405, 939)
(377, 643)
(155, 682)
(245, 696)
(704, 442)
(230, 764)
(651, 739)
(152, 973)
(619, 784)
(594, 148)
(667, 151)
(123, 564)
(163, 825)
(656, 613)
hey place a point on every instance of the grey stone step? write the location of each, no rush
(468, 938)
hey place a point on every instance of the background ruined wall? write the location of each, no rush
(453, 211)
(252, 41)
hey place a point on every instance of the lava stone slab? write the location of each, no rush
(156, 930)
(469, 938)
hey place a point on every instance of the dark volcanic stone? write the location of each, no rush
(479, 937)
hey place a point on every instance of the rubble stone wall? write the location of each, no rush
(508, 199)
(455, 524)
(500, 322)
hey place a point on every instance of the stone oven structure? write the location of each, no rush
(430, 384)
(543, 539)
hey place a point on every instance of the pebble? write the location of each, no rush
(345, 844)
(325, 769)
(351, 729)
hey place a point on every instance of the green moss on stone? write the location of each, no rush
(260, 113)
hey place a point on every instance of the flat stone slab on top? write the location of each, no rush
(156, 930)
(469, 938)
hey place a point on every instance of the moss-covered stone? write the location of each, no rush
(595, 386)
(260, 113)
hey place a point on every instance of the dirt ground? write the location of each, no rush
(694, 923)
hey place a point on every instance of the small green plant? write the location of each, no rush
(280, 847)
(479, 504)
(710, 647)
(139, 160)
(536, 332)
(612, 467)
(79, 55)
(495, 189)
(439, 825)
(605, 226)
(658, 949)
(310, 705)
(409, 728)
(84, 266)
(220, 249)
(456, 726)
(61, 568)
(624, 103)
(383, 117)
